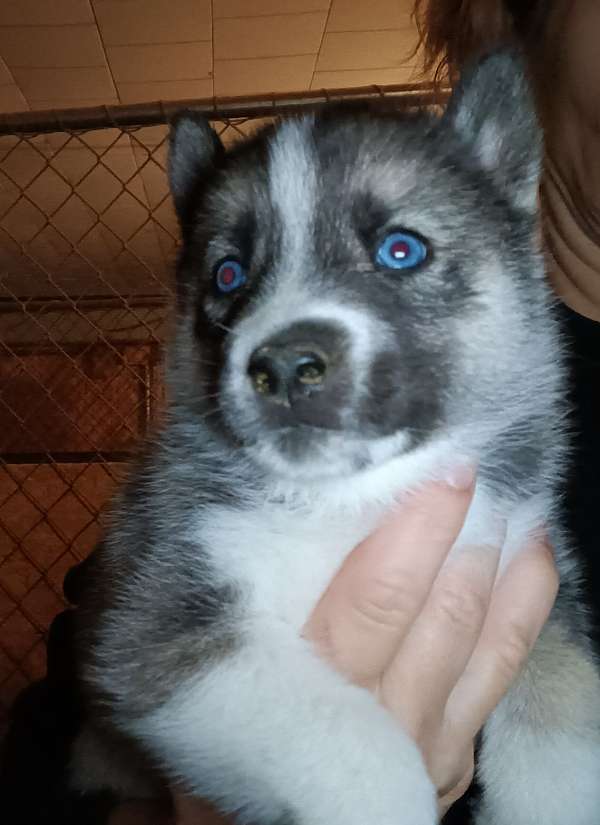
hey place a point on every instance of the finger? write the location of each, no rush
(381, 588)
(520, 605)
(447, 797)
(441, 641)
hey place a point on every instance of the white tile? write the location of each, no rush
(23, 222)
(152, 173)
(76, 102)
(100, 188)
(140, 64)
(354, 78)
(271, 36)
(51, 46)
(44, 12)
(5, 74)
(231, 133)
(12, 99)
(23, 163)
(97, 140)
(167, 229)
(366, 50)
(74, 162)
(127, 22)
(9, 193)
(68, 84)
(243, 8)
(355, 15)
(145, 245)
(150, 136)
(166, 90)
(275, 74)
(48, 191)
(74, 219)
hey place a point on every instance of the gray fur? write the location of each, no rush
(241, 510)
(512, 156)
(176, 615)
(193, 151)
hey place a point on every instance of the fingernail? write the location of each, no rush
(461, 477)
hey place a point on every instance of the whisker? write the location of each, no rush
(217, 409)
(225, 328)
(207, 397)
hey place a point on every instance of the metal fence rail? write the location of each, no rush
(87, 240)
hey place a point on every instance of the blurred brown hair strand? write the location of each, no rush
(453, 32)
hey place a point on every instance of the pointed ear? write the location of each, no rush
(194, 151)
(493, 111)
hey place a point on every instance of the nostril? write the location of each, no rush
(263, 374)
(310, 369)
(284, 374)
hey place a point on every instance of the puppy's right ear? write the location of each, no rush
(492, 110)
(194, 152)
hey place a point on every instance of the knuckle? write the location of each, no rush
(513, 650)
(449, 513)
(390, 602)
(548, 574)
(441, 530)
(462, 606)
(321, 634)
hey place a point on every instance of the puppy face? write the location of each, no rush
(351, 276)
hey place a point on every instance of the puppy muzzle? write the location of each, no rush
(302, 376)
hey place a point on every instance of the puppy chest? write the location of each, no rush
(281, 563)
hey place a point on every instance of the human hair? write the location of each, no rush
(453, 32)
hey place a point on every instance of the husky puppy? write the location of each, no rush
(362, 307)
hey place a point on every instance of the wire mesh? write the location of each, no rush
(87, 242)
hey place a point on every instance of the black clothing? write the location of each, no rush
(582, 499)
(44, 722)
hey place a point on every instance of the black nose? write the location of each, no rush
(302, 375)
(285, 371)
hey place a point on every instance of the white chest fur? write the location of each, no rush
(283, 557)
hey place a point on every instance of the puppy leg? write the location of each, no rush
(101, 760)
(273, 732)
(540, 758)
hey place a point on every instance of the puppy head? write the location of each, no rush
(350, 280)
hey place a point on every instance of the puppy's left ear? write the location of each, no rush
(194, 152)
(493, 111)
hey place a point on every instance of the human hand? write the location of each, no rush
(432, 636)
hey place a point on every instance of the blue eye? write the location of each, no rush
(401, 250)
(229, 275)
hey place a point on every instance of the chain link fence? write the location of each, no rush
(87, 243)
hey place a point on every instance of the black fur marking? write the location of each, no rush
(369, 214)
(145, 569)
(195, 155)
(515, 461)
(404, 394)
